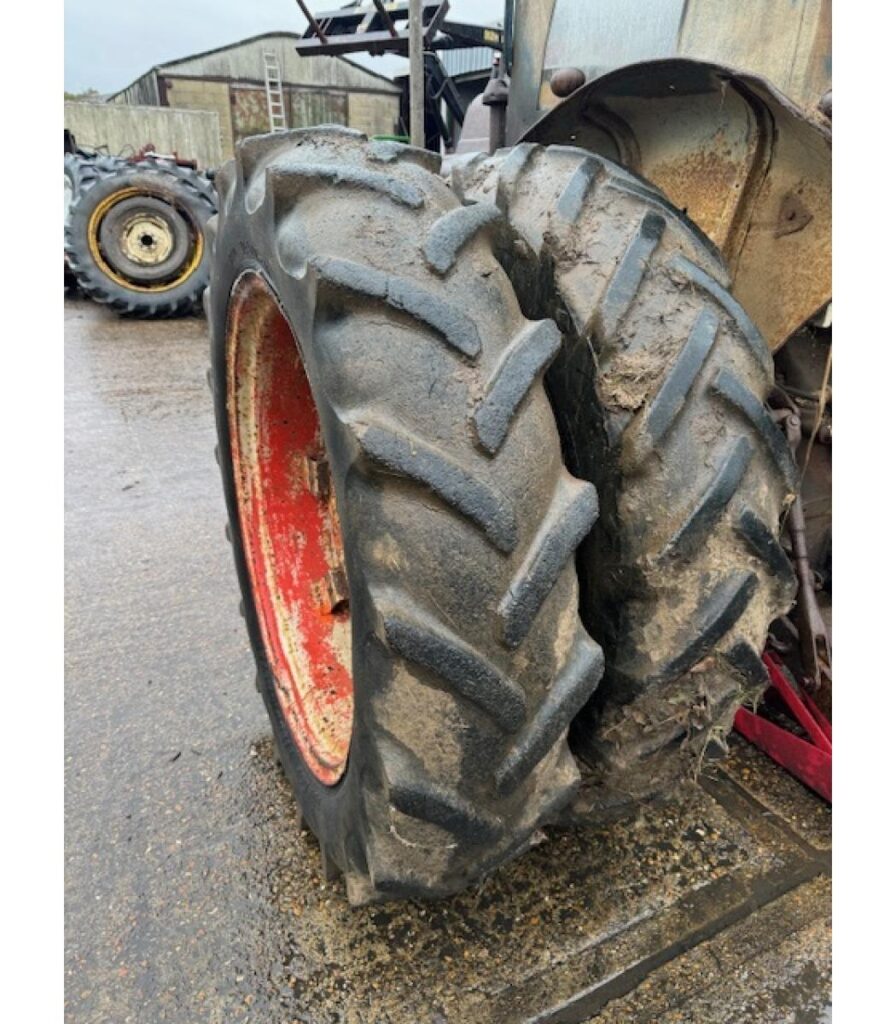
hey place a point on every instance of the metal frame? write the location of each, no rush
(380, 28)
(809, 759)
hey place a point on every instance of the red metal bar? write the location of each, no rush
(798, 702)
(811, 760)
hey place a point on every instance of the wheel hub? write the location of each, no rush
(143, 241)
(147, 240)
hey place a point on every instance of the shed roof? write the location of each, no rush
(241, 60)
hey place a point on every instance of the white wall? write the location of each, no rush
(194, 134)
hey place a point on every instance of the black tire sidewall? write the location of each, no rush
(335, 813)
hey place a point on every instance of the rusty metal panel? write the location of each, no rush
(249, 111)
(782, 273)
(789, 44)
(308, 107)
(698, 148)
(744, 164)
(304, 107)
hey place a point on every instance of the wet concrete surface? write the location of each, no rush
(192, 894)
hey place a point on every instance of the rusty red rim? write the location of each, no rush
(290, 528)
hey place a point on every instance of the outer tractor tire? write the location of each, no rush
(402, 522)
(659, 394)
(135, 240)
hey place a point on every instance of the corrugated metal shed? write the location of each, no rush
(242, 61)
(229, 81)
(467, 60)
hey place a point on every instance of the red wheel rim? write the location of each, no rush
(290, 528)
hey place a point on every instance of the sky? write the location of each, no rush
(109, 43)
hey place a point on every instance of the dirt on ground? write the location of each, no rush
(192, 893)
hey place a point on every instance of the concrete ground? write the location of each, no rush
(193, 896)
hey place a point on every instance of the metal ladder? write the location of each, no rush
(273, 87)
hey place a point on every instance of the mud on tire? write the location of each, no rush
(659, 393)
(459, 521)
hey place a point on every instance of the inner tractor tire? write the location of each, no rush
(402, 522)
(659, 393)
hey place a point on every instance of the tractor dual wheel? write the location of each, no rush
(402, 521)
(659, 393)
(135, 239)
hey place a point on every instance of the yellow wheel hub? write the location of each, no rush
(145, 238)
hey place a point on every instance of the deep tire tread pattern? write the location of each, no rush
(450, 323)
(467, 467)
(747, 332)
(732, 390)
(456, 664)
(521, 367)
(626, 281)
(680, 375)
(572, 514)
(748, 664)
(568, 694)
(710, 506)
(454, 230)
(323, 175)
(763, 543)
(413, 792)
(714, 618)
(573, 197)
(407, 455)
(650, 426)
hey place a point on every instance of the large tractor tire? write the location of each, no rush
(135, 239)
(659, 392)
(403, 524)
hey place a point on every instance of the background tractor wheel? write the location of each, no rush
(659, 394)
(135, 239)
(402, 522)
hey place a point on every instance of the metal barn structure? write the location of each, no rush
(234, 82)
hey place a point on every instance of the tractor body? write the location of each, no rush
(724, 107)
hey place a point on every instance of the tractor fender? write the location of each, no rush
(746, 164)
